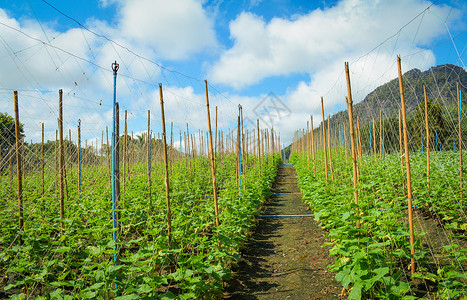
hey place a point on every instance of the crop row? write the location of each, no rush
(40, 262)
(371, 239)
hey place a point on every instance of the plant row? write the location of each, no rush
(371, 239)
(85, 262)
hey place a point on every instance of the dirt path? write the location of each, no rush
(284, 258)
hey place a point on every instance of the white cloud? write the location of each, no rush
(309, 43)
(176, 29)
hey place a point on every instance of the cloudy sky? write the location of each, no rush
(275, 58)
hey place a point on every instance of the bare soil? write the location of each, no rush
(284, 258)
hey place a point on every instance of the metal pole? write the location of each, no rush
(115, 67)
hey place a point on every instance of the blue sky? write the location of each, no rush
(245, 49)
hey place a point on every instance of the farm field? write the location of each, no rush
(80, 263)
(213, 150)
(370, 240)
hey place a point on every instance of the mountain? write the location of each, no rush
(440, 82)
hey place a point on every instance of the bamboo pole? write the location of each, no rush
(259, 147)
(213, 159)
(329, 147)
(22, 155)
(125, 152)
(71, 160)
(61, 161)
(148, 156)
(56, 159)
(215, 137)
(10, 173)
(243, 145)
(312, 139)
(79, 159)
(345, 143)
(407, 164)
(237, 151)
(324, 140)
(460, 142)
(109, 158)
(427, 127)
(308, 146)
(359, 140)
(166, 164)
(374, 138)
(401, 149)
(42, 161)
(272, 144)
(18, 165)
(380, 133)
(352, 134)
(303, 144)
(188, 149)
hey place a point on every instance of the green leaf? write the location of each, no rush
(127, 297)
(144, 289)
(356, 293)
(95, 286)
(343, 277)
(62, 249)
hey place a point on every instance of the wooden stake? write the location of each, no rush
(308, 147)
(312, 139)
(380, 133)
(109, 158)
(79, 159)
(188, 147)
(61, 161)
(427, 140)
(238, 150)
(215, 137)
(400, 141)
(42, 161)
(68, 153)
(18, 165)
(166, 163)
(259, 148)
(329, 147)
(125, 152)
(460, 141)
(213, 159)
(352, 134)
(374, 138)
(56, 159)
(346, 146)
(359, 140)
(407, 164)
(171, 142)
(324, 140)
(148, 156)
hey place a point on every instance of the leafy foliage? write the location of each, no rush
(79, 264)
(370, 239)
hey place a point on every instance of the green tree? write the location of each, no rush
(437, 125)
(7, 132)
